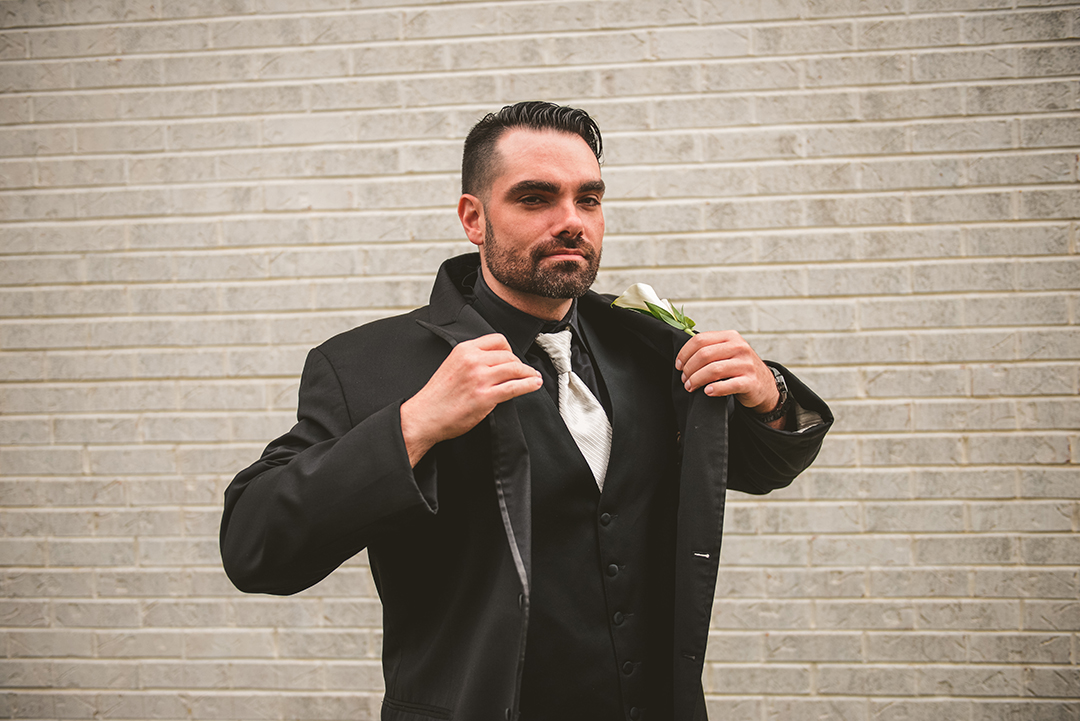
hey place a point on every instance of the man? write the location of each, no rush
(530, 567)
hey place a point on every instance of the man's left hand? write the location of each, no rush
(726, 365)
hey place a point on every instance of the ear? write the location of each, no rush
(471, 212)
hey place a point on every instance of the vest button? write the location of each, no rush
(618, 618)
(628, 667)
(605, 518)
(613, 570)
(635, 713)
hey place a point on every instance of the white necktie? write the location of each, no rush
(582, 413)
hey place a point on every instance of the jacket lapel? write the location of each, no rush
(455, 321)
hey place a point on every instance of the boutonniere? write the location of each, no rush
(642, 298)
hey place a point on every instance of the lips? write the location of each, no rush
(561, 251)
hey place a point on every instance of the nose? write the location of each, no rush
(569, 223)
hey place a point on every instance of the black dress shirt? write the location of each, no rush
(521, 329)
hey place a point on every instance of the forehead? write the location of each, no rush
(550, 155)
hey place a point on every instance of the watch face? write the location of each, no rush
(781, 384)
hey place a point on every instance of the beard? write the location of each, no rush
(523, 273)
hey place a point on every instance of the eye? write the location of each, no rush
(590, 200)
(531, 200)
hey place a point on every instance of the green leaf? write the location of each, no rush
(663, 315)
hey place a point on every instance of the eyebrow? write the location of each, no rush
(543, 186)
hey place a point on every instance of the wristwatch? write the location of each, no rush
(783, 404)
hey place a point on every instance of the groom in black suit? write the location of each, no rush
(523, 577)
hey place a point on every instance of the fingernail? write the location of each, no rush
(678, 364)
(687, 385)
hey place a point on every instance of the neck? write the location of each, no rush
(535, 305)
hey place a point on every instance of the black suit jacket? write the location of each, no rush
(449, 541)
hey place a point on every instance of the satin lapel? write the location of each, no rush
(509, 454)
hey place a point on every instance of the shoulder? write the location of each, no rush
(386, 342)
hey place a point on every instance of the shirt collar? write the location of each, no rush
(519, 327)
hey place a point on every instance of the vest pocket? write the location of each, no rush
(417, 709)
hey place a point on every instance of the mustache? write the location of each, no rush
(578, 243)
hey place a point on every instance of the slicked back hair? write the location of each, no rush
(480, 157)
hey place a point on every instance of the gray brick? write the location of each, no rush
(955, 549)
(835, 708)
(692, 112)
(582, 48)
(908, 33)
(117, 72)
(1019, 648)
(867, 681)
(909, 709)
(820, 106)
(46, 643)
(967, 135)
(624, 13)
(754, 551)
(1001, 99)
(917, 647)
(814, 583)
(1050, 204)
(917, 173)
(1027, 169)
(322, 643)
(746, 144)
(772, 678)
(1048, 60)
(1048, 549)
(963, 681)
(1054, 344)
(46, 582)
(963, 65)
(751, 614)
(1024, 583)
(964, 615)
(914, 517)
(707, 42)
(1048, 132)
(1051, 615)
(1028, 709)
(870, 551)
(804, 38)
(91, 552)
(941, 346)
(1023, 516)
(1023, 448)
(1008, 27)
(918, 102)
(867, 615)
(788, 647)
(227, 644)
(89, 614)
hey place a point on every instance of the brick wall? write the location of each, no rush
(880, 193)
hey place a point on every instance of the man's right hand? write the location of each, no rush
(476, 376)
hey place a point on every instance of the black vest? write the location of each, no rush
(599, 643)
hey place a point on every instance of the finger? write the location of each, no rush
(709, 374)
(491, 341)
(517, 387)
(504, 372)
(714, 353)
(700, 342)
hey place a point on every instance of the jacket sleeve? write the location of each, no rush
(320, 492)
(762, 459)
